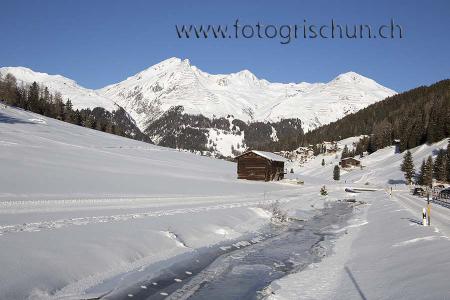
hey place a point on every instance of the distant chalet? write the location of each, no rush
(349, 162)
(260, 165)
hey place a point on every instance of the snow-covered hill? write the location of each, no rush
(69, 89)
(78, 205)
(174, 82)
(84, 213)
(380, 169)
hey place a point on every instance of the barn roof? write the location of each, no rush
(269, 155)
(350, 158)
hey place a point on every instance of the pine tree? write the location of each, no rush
(336, 173)
(428, 172)
(323, 162)
(68, 112)
(421, 176)
(408, 167)
(344, 152)
(33, 97)
(440, 166)
(59, 106)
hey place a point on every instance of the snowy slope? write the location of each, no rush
(82, 211)
(176, 82)
(69, 89)
(381, 168)
(386, 252)
(60, 154)
(78, 206)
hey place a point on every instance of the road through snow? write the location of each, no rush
(440, 216)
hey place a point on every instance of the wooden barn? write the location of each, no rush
(349, 162)
(260, 165)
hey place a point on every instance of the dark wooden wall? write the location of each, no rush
(254, 167)
(350, 162)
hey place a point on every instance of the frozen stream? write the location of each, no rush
(243, 269)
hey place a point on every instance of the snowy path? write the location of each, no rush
(385, 255)
(440, 216)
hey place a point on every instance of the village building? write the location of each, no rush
(260, 165)
(349, 162)
(303, 154)
(327, 147)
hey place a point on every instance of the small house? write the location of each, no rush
(260, 165)
(349, 162)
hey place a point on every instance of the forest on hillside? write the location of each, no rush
(39, 99)
(415, 117)
(176, 129)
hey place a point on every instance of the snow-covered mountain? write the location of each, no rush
(81, 97)
(150, 97)
(175, 82)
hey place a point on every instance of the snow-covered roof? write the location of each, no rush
(269, 155)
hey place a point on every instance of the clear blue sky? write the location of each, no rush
(102, 42)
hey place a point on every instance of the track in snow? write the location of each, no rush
(61, 223)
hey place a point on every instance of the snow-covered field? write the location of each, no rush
(83, 211)
(79, 206)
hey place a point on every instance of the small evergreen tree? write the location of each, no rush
(420, 177)
(440, 166)
(344, 152)
(428, 172)
(408, 167)
(33, 97)
(323, 162)
(323, 191)
(336, 173)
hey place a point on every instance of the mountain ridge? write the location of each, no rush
(175, 82)
(175, 102)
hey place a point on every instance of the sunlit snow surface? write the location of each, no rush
(78, 206)
(82, 210)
